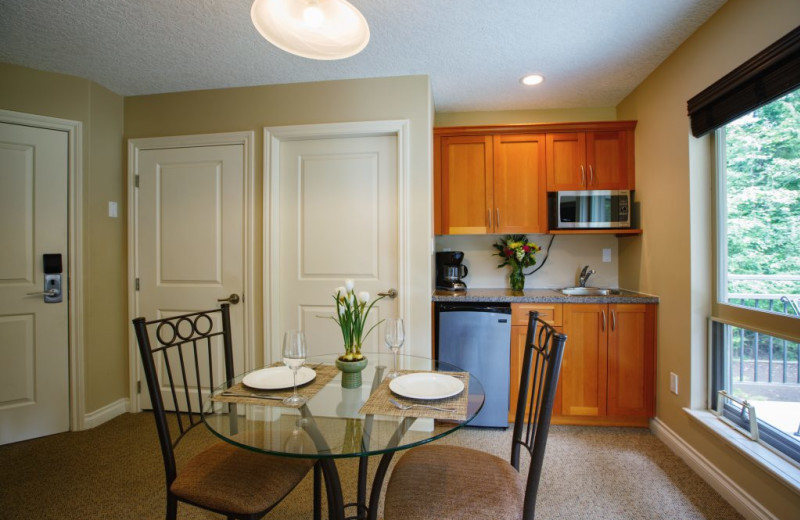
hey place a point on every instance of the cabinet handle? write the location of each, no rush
(604, 320)
(489, 212)
(613, 321)
(591, 175)
(497, 222)
(583, 175)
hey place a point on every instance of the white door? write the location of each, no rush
(337, 219)
(34, 344)
(190, 221)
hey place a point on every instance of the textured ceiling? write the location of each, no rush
(591, 52)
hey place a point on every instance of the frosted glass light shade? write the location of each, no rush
(316, 29)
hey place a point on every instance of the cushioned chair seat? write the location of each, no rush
(450, 482)
(228, 478)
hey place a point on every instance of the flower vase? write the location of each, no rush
(516, 279)
(351, 372)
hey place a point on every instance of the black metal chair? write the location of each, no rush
(223, 478)
(451, 482)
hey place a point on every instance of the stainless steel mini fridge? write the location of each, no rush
(477, 337)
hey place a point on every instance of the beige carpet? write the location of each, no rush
(115, 472)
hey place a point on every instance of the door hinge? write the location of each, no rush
(137, 284)
(136, 180)
(138, 387)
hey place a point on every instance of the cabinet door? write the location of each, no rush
(566, 161)
(585, 363)
(518, 335)
(631, 360)
(520, 192)
(466, 185)
(607, 160)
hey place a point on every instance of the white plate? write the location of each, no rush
(426, 385)
(277, 378)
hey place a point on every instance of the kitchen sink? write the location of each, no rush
(588, 291)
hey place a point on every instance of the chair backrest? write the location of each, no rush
(187, 348)
(541, 365)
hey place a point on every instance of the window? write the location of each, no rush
(758, 271)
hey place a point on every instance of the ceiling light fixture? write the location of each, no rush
(532, 79)
(316, 29)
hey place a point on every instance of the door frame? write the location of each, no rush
(273, 137)
(135, 146)
(75, 314)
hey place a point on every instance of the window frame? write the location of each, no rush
(772, 323)
(768, 436)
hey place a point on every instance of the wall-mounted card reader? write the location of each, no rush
(52, 279)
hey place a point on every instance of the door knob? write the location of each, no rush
(391, 293)
(233, 299)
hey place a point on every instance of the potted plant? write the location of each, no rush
(352, 310)
(517, 252)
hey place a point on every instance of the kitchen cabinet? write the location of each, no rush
(550, 313)
(491, 184)
(608, 370)
(591, 160)
(493, 179)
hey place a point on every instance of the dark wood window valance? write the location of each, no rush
(770, 74)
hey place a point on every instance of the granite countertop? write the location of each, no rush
(537, 296)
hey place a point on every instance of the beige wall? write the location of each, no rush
(514, 117)
(673, 257)
(568, 254)
(105, 320)
(253, 108)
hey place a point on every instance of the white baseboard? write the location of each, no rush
(106, 413)
(745, 504)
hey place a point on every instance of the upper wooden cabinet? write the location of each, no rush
(494, 179)
(492, 184)
(601, 160)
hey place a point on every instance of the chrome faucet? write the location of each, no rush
(585, 274)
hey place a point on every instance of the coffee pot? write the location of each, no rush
(450, 271)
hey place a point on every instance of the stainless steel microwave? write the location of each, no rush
(590, 209)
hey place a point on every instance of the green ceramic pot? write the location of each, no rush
(351, 372)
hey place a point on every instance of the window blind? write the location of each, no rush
(770, 74)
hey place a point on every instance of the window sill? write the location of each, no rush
(776, 465)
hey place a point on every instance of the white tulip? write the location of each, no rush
(340, 292)
(349, 285)
(342, 310)
(350, 298)
(363, 296)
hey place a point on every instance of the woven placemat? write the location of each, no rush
(324, 374)
(378, 403)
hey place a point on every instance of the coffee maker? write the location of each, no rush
(450, 271)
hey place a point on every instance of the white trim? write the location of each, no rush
(106, 413)
(273, 137)
(247, 140)
(74, 130)
(742, 501)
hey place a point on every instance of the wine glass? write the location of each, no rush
(294, 356)
(394, 339)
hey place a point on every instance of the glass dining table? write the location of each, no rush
(338, 423)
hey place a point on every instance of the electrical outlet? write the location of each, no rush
(673, 383)
(112, 209)
(607, 255)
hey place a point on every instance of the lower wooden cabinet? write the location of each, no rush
(608, 371)
(550, 313)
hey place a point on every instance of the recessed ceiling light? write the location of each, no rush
(532, 79)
